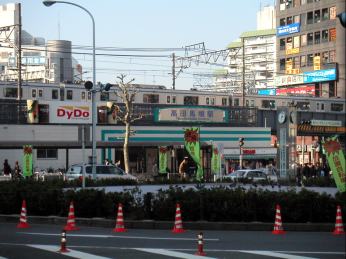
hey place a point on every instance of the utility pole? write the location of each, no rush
(173, 71)
(19, 54)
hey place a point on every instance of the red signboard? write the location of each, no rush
(249, 151)
(303, 90)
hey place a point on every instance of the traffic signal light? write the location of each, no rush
(88, 85)
(107, 86)
(241, 142)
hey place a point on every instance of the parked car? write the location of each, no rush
(271, 173)
(102, 172)
(249, 174)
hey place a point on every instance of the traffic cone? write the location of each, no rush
(119, 225)
(339, 227)
(278, 224)
(200, 245)
(178, 224)
(22, 220)
(71, 223)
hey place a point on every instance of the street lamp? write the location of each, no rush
(49, 3)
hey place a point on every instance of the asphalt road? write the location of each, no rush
(43, 241)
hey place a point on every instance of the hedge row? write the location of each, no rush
(217, 204)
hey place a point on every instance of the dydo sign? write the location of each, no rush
(70, 112)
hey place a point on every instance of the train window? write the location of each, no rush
(174, 99)
(150, 98)
(40, 93)
(337, 107)
(236, 101)
(10, 92)
(62, 94)
(43, 153)
(247, 103)
(55, 94)
(89, 95)
(268, 104)
(83, 95)
(303, 105)
(191, 100)
(69, 95)
(252, 103)
(212, 101)
(320, 106)
(33, 93)
(224, 101)
(104, 96)
(207, 101)
(168, 99)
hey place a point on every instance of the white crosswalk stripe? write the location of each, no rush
(173, 253)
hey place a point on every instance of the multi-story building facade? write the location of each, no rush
(311, 46)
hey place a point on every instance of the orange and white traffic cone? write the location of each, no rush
(22, 220)
(339, 227)
(71, 222)
(119, 225)
(178, 224)
(278, 229)
(200, 245)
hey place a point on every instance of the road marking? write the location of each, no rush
(72, 253)
(172, 253)
(3, 257)
(125, 237)
(275, 254)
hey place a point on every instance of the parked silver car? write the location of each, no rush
(249, 174)
(102, 172)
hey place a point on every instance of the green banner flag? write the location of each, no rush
(27, 160)
(336, 161)
(163, 160)
(191, 141)
(215, 160)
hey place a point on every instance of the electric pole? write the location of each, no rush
(19, 54)
(173, 71)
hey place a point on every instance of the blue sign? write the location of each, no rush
(288, 29)
(320, 75)
(266, 92)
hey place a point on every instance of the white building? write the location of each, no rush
(41, 62)
(266, 18)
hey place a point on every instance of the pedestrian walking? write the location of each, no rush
(7, 168)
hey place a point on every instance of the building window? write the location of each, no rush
(303, 19)
(296, 19)
(310, 60)
(310, 18)
(224, 101)
(150, 98)
(337, 107)
(317, 16)
(282, 64)
(310, 38)
(302, 61)
(270, 104)
(325, 57)
(289, 43)
(303, 2)
(331, 87)
(190, 100)
(33, 93)
(325, 14)
(332, 56)
(325, 36)
(303, 40)
(289, 20)
(282, 44)
(282, 21)
(83, 95)
(69, 95)
(317, 37)
(252, 103)
(296, 62)
(104, 96)
(296, 42)
(332, 34)
(43, 153)
(55, 94)
(247, 103)
(236, 101)
(332, 13)
(168, 99)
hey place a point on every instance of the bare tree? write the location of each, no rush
(126, 91)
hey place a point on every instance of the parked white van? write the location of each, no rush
(102, 172)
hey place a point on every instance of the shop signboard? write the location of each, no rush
(288, 29)
(288, 80)
(302, 90)
(319, 75)
(266, 92)
(70, 112)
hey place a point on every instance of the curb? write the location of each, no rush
(197, 225)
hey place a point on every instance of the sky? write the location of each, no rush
(151, 29)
